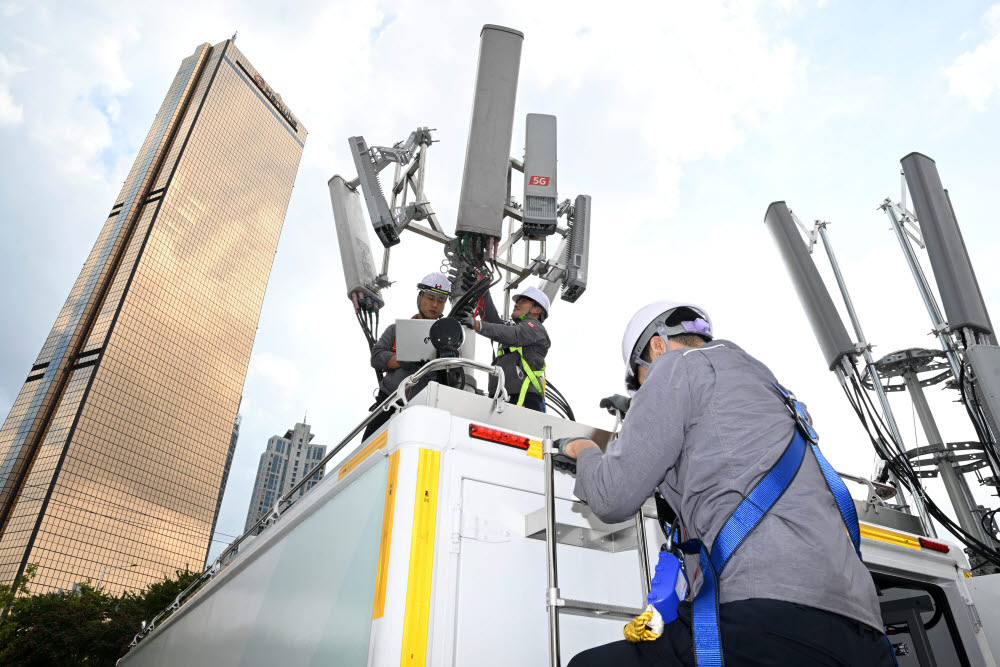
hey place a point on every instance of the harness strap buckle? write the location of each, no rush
(799, 413)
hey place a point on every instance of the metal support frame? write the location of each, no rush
(907, 612)
(954, 483)
(865, 348)
(898, 217)
(410, 160)
(930, 302)
(409, 180)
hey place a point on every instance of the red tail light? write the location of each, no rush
(499, 437)
(934, 545)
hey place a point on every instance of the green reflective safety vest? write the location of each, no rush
(535, 378)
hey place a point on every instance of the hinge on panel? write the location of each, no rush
(456, 528)
(484, 530)
(977, 623)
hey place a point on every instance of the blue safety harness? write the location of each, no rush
(746, 516)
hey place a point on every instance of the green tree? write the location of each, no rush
(81, 627)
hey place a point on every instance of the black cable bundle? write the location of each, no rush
(477, 271)
(895, 457)
(482, 280)
(558, 402)
(978, 417)
(368, 320)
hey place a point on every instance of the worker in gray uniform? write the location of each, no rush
(432, 297)
(735, 455)
(523, 345)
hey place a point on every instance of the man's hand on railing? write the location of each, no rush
(616, 403)
(562, 460)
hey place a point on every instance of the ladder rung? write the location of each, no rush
(599, 609)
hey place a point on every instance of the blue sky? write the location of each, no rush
(682, 120)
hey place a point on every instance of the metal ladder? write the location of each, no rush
(554, 603)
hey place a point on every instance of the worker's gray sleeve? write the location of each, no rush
(490, 312)
(522, 334)
(382, 351)
(616, 484)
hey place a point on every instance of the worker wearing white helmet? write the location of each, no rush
(761, 515)
(644, 324)
(432, 297)
(523, 345)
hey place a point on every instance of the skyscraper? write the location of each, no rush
(229, 463)
(115, 449)
(282, 465)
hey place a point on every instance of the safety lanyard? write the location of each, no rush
(746, 516)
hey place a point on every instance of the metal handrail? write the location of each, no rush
(396, 399)
(499, 399)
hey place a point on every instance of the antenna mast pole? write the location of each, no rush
(865, 348)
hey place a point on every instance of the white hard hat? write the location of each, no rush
(644, 323)
(536, 295)
(435, 283)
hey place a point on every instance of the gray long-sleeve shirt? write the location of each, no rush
(704, 428)
(529, 335)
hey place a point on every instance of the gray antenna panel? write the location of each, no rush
(355, 251)
(985, 362)
(487, 155)
(378, 208)
(539, 175)
(823, 316)
(956, 280)
(578, 250)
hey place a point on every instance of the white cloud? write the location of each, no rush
(8, 69)
(10, 113)
(975, 75)
(276, 371)
(8, 9)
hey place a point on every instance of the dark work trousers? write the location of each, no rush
(532, 402)
(377, 423)
(757, 632)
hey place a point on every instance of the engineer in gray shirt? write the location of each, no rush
(705, 425)
(432, 297)
(523, 345)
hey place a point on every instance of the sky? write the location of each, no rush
(683, 121)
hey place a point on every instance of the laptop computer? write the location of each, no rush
(413, 342)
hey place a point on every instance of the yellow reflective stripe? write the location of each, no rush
(889, 536)
(535, 449)
(358, 458)
(416, 616)
(378, 609)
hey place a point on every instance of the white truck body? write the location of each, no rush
(422, 548)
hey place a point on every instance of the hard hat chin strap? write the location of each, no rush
(663, 333)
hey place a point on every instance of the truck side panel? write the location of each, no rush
(303, 599)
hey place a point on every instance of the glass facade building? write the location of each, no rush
(284, 463)
(116, 449)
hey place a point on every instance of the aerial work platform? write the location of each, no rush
(425, 546)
